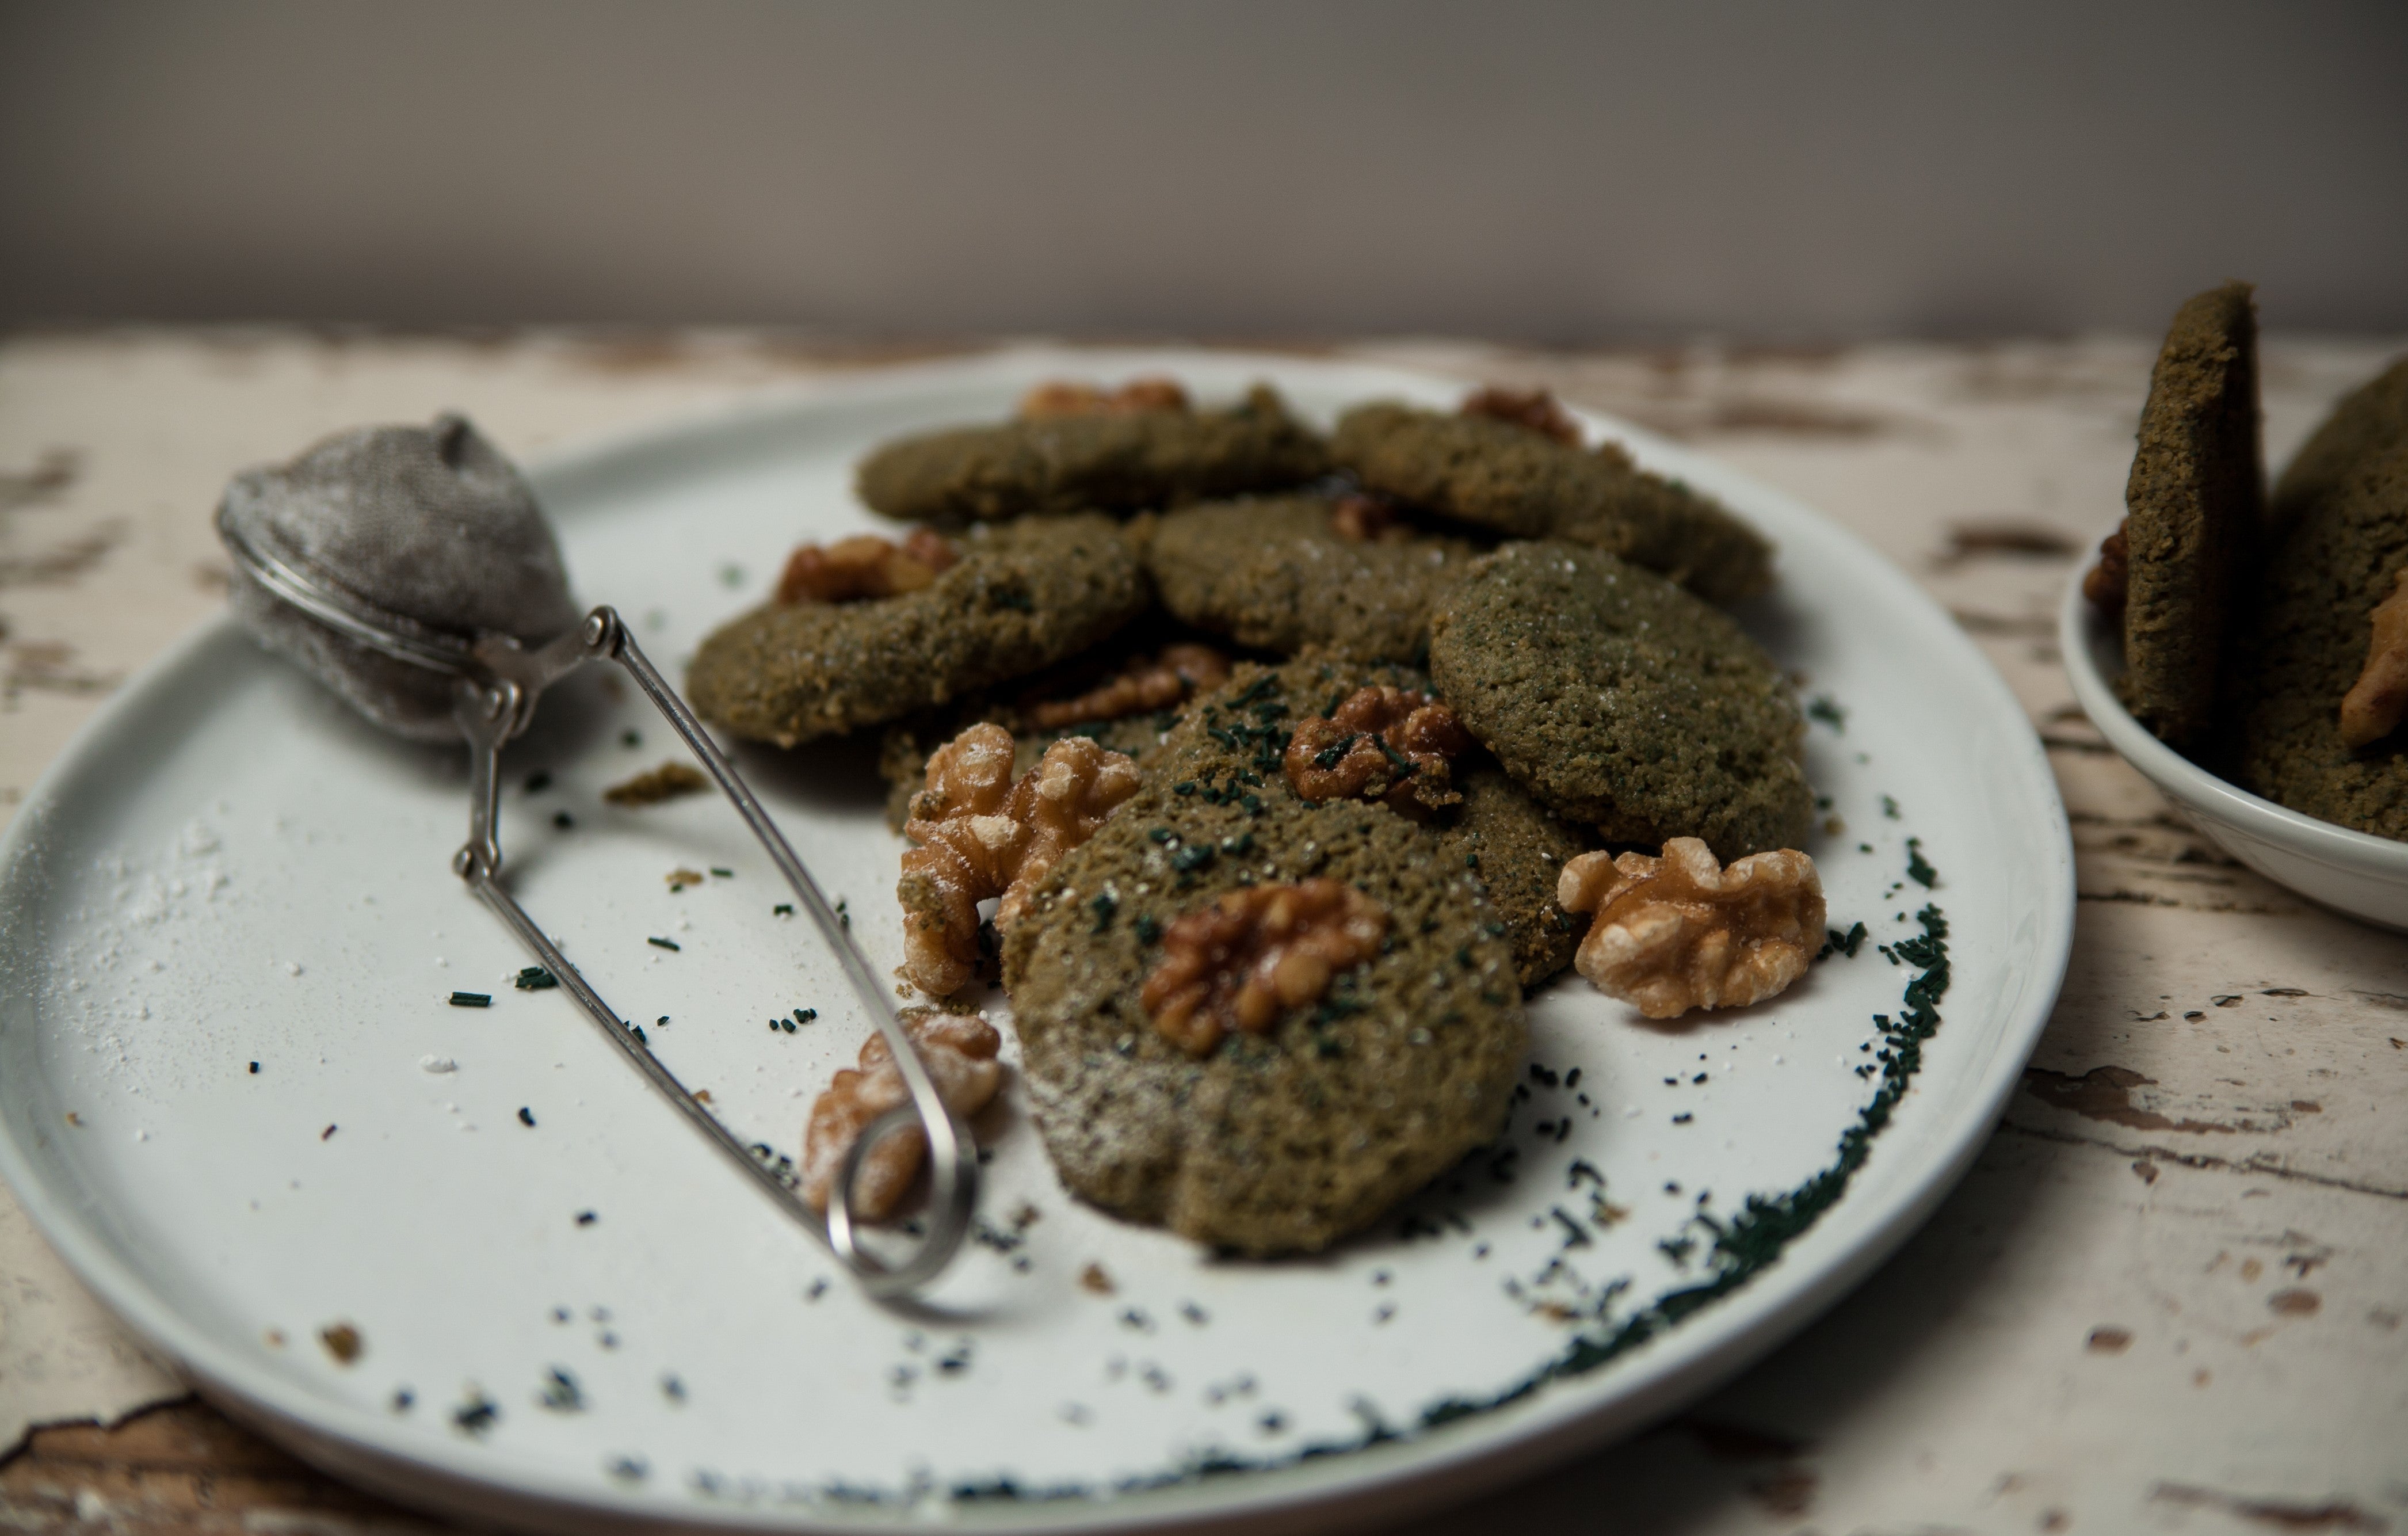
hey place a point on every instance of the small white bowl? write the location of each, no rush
(2356, 873)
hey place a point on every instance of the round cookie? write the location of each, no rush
(1020, 598)
(1118, 462)
(1277, 575)
(2193, 506)
(2305, 643)
(1287, 1140)
(1518, 849)
(903, 750)
(1620, 700)
(1525, 484)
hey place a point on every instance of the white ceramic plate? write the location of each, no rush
(2351, 872)
(227, 869)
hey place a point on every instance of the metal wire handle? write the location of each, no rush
(497, 682)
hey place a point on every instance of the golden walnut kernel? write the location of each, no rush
(1535, 410)
(1682, 932)
(1255, 953)
(1158, 684)
(1064, 398)
(1362, 518)
(1381, 743)
(864, 565)
(2371, 709)
(665, 783)
(2106, 583)
(958, 1050)
(981, 835)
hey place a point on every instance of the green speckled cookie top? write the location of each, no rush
(1285, 1141)
(1620, 700)
(1528, 485)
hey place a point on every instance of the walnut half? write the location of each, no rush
(864, 567)
(2106, 583)
(1255, 953)
(1062, 397)
(1682, 932)
(1145, 684)
(960, 1053)
(1534, 410)
(1362, 517)
(2373, 708)
(1382, 743)
(981, 835)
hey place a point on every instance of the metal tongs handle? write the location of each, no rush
(491, 712)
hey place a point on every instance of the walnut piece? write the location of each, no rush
(1362, 518)
(2371, 709)
(981, 835)
(1535, 410)
(665, 783)
(1062, 397)
(1381, 743)
(1682, 932)
(863, 566)
(2106, 583)
(1144, 685)
(1255, 953)
(957, 1048)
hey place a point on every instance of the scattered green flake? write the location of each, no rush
(1917, 868)
(560, 1392)
(478, 1415)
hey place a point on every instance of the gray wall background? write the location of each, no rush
(1543, 171)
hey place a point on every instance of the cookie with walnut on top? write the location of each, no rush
(1260, 1019)
(866, 631)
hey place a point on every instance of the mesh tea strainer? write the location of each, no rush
(410, 570)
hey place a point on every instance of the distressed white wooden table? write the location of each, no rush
(2169, 1297)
